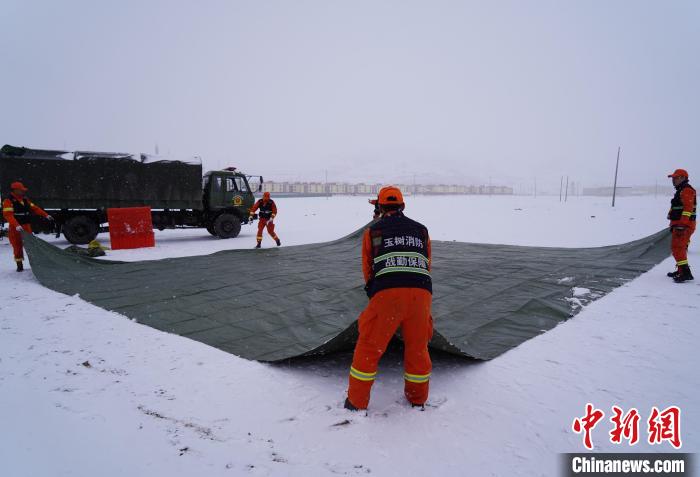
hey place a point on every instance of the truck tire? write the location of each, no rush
(80, 230)
(227, 226)
(210, 229)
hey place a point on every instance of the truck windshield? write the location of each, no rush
(254, 182)
(241, 184)
(236, 184)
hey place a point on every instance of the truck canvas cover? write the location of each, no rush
(93, 180)
(275, 304)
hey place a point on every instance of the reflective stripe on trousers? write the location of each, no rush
(387, 311)
(416, 378)
(362, 376)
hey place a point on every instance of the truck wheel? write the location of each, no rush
(210, 229)
(80, 230)
(227, 226)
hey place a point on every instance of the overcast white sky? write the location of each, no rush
(452, 91)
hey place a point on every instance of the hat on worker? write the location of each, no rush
(266, 195)
(679, 173)
(18, 186)
(390, 195)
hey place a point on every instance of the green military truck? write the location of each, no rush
(77, 188)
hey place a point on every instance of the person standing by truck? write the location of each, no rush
(267, 210)
(17, 210)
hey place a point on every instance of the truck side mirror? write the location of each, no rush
(260, 187)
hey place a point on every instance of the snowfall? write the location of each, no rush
(85, 391)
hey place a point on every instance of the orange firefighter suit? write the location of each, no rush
(682, 216)
(17, 212)
(396, 256)
(267, 210)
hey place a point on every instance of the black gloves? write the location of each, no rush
(368, 288)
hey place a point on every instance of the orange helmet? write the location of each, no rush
(18, 186)
(679, 173)
(390, 195)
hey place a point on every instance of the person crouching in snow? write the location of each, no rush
(17, 210)
(396, 266)
(267, 210)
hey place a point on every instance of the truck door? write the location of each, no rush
(236, 191)
(216, 192)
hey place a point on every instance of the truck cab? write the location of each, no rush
(228, 198)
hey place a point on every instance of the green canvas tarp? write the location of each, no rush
(275, 304)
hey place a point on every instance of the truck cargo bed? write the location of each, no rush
(66, 180)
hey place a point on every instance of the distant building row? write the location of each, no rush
(339, 188)
(629, 191)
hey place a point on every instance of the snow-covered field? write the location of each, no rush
(87, 392)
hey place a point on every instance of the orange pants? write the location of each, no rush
(262, 223)
(16, 241)
(679, 244)
(408, 308)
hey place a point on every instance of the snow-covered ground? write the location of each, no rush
(87, 392)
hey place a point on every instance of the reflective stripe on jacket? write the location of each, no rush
(396, 254)
(18, 211)
(683, 205)
(265, 209)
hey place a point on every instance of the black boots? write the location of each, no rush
(276, 240)
(684, 274)
(20, 265)
(672, 274)
(349, 406)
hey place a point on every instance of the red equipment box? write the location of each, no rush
(130, 227)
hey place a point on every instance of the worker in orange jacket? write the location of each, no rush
(17, 210)
(267, 212)
(683, 220)
(396, 266)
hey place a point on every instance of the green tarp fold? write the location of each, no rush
(275, 304)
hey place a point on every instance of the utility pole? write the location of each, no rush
(617, 165)
(561, 186)
(566, 197)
